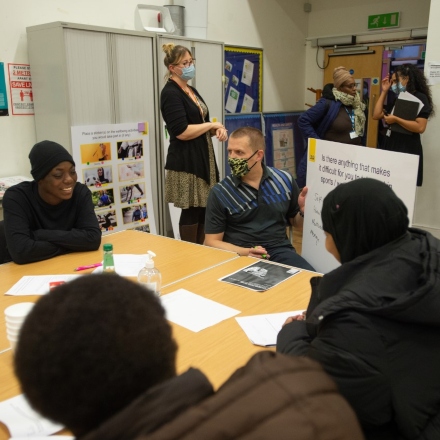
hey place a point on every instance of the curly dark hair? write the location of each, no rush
(416, 81)
(90, 347)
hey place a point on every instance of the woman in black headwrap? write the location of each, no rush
(374, 322)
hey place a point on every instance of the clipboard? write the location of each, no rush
(407, 109)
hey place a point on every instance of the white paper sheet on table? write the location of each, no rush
(263, 329)
(51, 437)
(194, 312)
(23, 421)
(36, 284)
(127, 265)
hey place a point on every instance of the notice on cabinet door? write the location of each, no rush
(330, 164)
(113, 161)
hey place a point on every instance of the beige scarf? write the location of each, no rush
(358, 109)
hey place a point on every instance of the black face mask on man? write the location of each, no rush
(239, 167)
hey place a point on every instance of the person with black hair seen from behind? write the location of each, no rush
(53, 214)
(373, 323)
(191, 169)
(339, 116)
(110, 374)
(409, 78)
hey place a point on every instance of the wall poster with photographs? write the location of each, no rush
(112, 160)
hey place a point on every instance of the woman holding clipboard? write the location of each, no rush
(406, 122)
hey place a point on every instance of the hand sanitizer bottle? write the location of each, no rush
(108, 264)
(149, 276)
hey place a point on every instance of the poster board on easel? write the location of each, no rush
(113, 161)
(330, 164)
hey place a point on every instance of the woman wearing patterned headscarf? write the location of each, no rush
(374, 322)
(338, 116)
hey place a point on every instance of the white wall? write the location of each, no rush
(279, 27)
(18, 132)
(341, 17)
(427, 214)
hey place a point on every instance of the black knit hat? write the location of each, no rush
(46, 155)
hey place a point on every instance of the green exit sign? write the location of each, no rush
(381, 21)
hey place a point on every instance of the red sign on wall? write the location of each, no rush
(20, 84)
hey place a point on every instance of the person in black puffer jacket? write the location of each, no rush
(374, 322)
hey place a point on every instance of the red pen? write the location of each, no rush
(90, 266)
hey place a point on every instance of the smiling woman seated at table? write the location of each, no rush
(53, 214)
(102, 362)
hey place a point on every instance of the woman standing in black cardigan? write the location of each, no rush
(191, 167)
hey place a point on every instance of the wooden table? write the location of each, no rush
(219, 350)
(175, 259)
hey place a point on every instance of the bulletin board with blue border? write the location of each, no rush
(285, 144)
(243, 80)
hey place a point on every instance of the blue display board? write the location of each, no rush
(243, 80)
(285, 144)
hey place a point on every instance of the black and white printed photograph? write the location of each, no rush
(130, 149)
(260, 276)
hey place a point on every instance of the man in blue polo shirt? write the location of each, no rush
(248, 211)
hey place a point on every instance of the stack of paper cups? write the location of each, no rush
(15, 316)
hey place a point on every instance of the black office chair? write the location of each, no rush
(4, 254)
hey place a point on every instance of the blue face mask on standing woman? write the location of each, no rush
(397, 88)
(401, 88)
(188, 72)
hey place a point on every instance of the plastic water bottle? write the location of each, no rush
(149, 276)
(108, 265)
